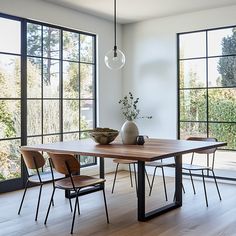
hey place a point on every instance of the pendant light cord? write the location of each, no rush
(115, 46)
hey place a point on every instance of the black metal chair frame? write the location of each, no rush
(161, 165)
(130, 174)
(76, 190)
(202, 169)
(37, 183)
(41, 183)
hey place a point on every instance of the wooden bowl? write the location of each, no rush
(103, 135)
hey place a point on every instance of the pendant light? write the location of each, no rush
(115, 58)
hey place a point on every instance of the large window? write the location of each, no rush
(207, 85)
(47, 84)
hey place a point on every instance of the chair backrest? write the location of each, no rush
(33, 159)
(206, 151)
(64, 163)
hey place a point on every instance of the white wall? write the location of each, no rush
(109, 82)
(151, 70)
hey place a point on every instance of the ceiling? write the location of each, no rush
(129, 11)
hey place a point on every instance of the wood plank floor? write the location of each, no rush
(194, 218)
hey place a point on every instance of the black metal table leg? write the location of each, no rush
(101, 170)
(141, 190)
(178, 180)
(142, 215)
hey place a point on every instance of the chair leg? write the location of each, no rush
(216, 184)
(113, 186)
(50, 203)
(183, 188)
(204, 185)
(191, 177)
(78, 206)
(130, 175)
(23, 197)
(164, 182)
(105, 203)
(71, 208)
(39, 198)
(73, 220)
(153, 177)
(147, 178)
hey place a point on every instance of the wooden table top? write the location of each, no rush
(152, 150)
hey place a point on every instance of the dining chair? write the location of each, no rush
(191, 167)
(34, 161)
(124, 162)
(160, 164)
(69, 166)
(129, 163)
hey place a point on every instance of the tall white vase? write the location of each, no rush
(129, 132)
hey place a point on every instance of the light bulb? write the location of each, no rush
(115, 59)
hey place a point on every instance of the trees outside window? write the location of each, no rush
(207, 84)
(47, 84)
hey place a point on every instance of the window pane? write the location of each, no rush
(221, 41)
(10, 159)
(224, 133)
(50, 78)
(222, 105)
(226, 71)
(193, 73)
(34, 37)
(50, 116)
(86, 48)
(193, 105)
(34, 77)
(34, 140)
(84, 135)
(195, 129)
(10, 119)
(51, 139)
(70, 46)
(71, 115)
(86, 160)
(10, 39)
(86, 116)
(10, 73)
(71, 137)
(86, 81)
(34, 117)
(51, 42)
(192, 45)
(70, 80)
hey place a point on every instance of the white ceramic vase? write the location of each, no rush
(129, 132)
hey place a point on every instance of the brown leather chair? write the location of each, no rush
(34, 160)
(68, 165)
(191, 167)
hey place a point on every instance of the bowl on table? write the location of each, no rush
(103, 135)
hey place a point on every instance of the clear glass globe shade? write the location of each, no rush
(114, 60)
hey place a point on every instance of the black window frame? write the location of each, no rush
(207, 88)
(17, 183)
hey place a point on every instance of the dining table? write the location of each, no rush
(152, 150)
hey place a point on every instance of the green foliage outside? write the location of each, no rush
(76, 80)
(221, 101)
(227, 65)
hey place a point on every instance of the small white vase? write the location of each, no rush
(129, 132)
